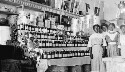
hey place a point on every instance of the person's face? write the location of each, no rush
(111, 27)
(104, 28)
(123, 30)
(96, 29)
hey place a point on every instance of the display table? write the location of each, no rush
(70, 61)
(65, 48)
(62, 64)
(114, 64)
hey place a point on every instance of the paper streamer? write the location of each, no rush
(74, 26)
(4, 34)
(88, 20)
(96, 20)
(82, 24)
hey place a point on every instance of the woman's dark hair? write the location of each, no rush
(95, 26)
(112, 24)
(122, 26)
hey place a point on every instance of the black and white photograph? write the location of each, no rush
(62, 35)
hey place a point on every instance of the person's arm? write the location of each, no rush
(104, 46)
(90, 47)
(107, 38)
(91, 55)
(119, 45)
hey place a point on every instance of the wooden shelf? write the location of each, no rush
(38, 6)
(8, 13)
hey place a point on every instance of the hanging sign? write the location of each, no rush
(96, 11)
(87, 7)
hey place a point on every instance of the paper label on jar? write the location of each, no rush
(60, 55)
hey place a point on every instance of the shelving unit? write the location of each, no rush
(70, 42)
(8, 13)
(37, 6)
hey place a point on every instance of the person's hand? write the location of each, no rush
(91, 56)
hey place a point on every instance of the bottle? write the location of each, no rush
(45, 55)
(18, 27)
(46, 43)
(43, 43)
(56, 55)
(50, 44)
(88, 53)
(45, 35)
(49, 36)
(49, 55)
(26, 27)
(63, 43)
(85, 53)
(64, 55)
(72, 54)
(53, 54)
(40, 43)
(75, 41)
(42, 35)
(78, 53)
(57, 43)
(29, 27)
(60, 54)
(21, 26)
(60, 43)
(69, 53)
(53, 43)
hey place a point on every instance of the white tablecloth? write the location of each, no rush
(70, 61)
(114, 64)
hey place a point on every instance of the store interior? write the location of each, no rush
(53, 35)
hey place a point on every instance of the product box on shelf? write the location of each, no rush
(47, 23)
(41, 24)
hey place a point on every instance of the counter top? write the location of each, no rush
(65, 48)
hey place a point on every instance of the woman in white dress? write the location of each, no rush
(112, 38)
(122, 40)
(104, 28)
(95, 44)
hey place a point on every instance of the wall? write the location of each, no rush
(110, 7)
